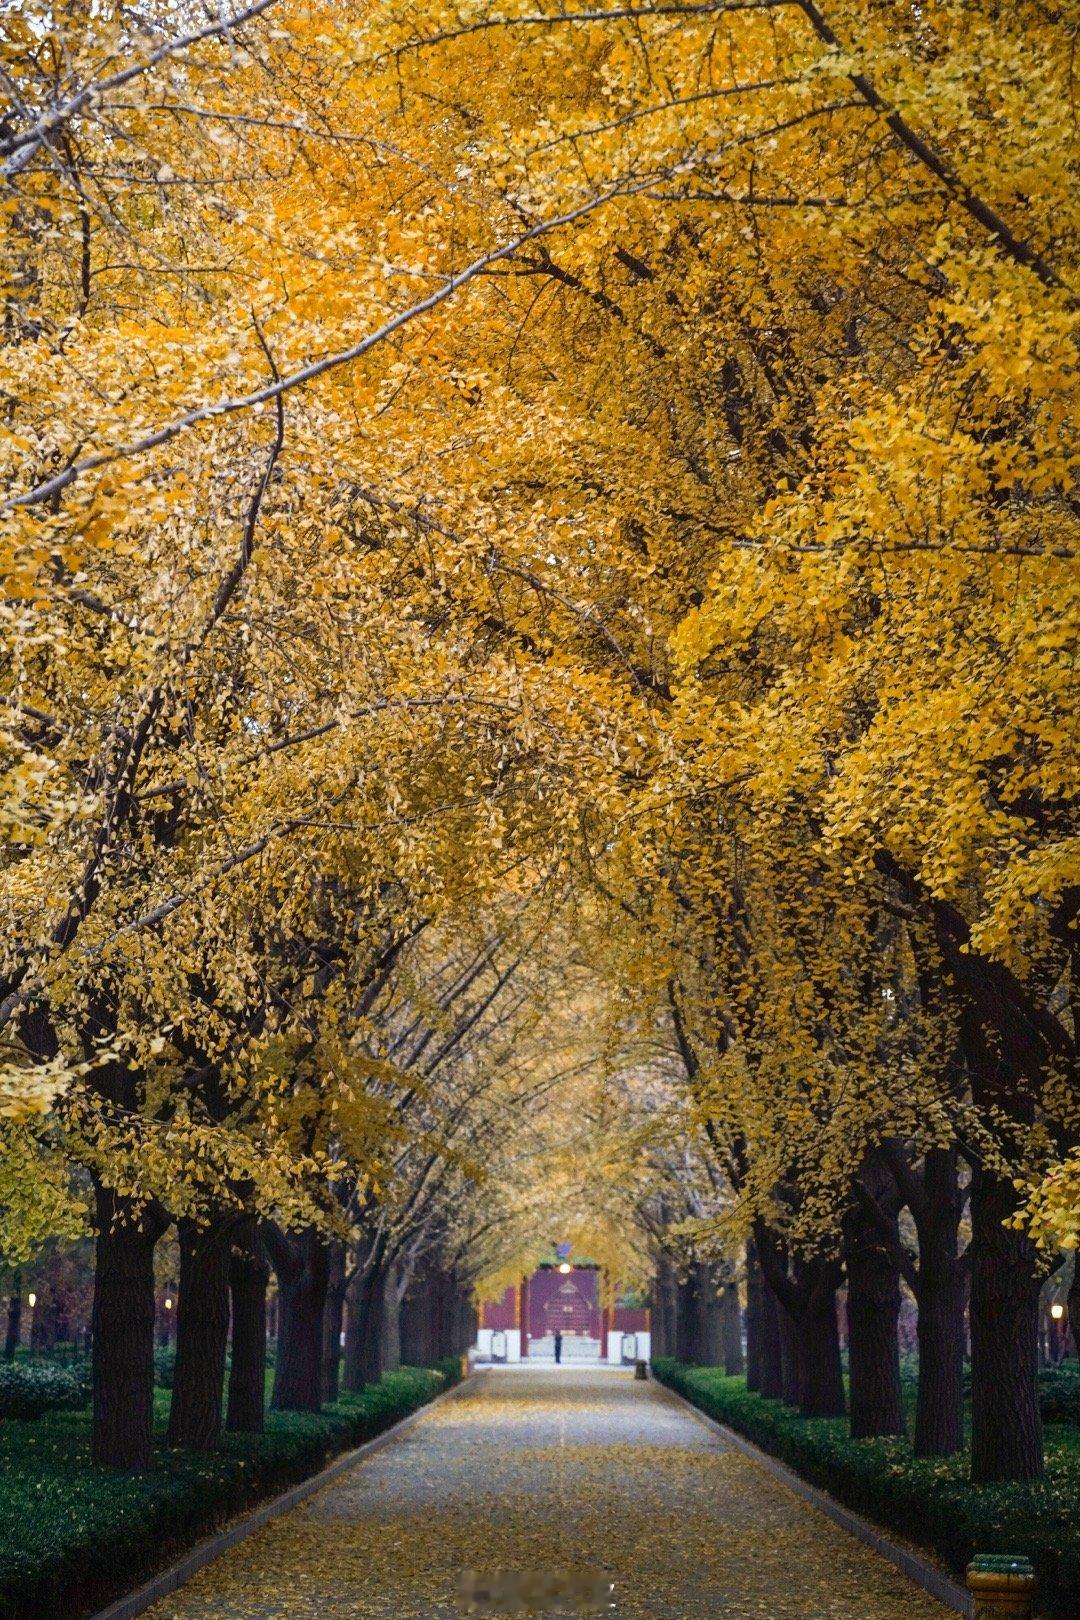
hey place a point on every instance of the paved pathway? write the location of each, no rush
(550, 1470)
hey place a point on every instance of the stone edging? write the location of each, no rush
(205, 1552)
(917, 1569)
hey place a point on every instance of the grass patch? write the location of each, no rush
(73, 1537)
(930, 1501)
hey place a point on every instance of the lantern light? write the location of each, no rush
(168, 1304)
(1057, 1310)
(33, 1300)
(566, 1268)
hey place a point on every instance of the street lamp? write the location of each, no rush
(566, 1268)
(1057, 1310)
(168, 1304)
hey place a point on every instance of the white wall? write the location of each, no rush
(614, 1347)
(510, 1336)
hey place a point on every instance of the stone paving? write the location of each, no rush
(553, 1470)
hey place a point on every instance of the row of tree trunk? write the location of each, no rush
(793, 1350)
(323, 1292)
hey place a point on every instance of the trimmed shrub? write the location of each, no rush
(29, 1388)
(1059, 1393)
(74, 1537)
(929, 1500)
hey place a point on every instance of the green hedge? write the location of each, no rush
(928, 1500)
(73, 1537)
(29, 1388)
(1059, 1393)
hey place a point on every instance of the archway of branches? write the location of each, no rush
(536, 707)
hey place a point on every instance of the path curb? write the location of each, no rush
(917, 1569)
(205, 1552)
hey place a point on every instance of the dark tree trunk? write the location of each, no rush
(1006, 1428)
(936, 1204)
(820, 1374)
(711, 1313)
(249, 1274)
(333, 1320)
(789, 1356)
(939, 1405)
(754, 1308)
(665, 1339)
(688, 1321)
(364, 1329)
(731, 1331)
(772, 1343)
(14, 1317)
(413, 1348)
(122, 1374)
(202, 1333)
(391, 1322)
(303, 1274)
(873, 1315)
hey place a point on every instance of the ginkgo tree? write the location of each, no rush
(615, 464)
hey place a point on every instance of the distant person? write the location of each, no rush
(558, 1346)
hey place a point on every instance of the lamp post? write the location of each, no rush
(1057, 1332)
(31, 1300)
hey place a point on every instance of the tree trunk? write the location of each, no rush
(817, 1341)
(754, 1325)
(789, 1356)
(939, 1406)
(249, 1274)
(731, 1331)
(333, 1319)
(202, 1333)
(364, 1329)
(688, 1321)
(302, 1283)
(873, 1315)
(391, 1322)
(939, 1292)
(122, 1374)
(412, 1327)
(772, 1343)
(1006, 1276)
(1006, 1428)
(14, 1317)
(665, 1338)
(711, 1315)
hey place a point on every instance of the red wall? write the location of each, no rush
(630, 1319)
(564, 1300)
(500, 1314)
(545, 1307)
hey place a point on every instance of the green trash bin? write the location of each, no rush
(1003, 1586)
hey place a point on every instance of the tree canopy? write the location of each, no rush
(539, 621)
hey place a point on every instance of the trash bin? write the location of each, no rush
(1003, 1586)
(641, 1369)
